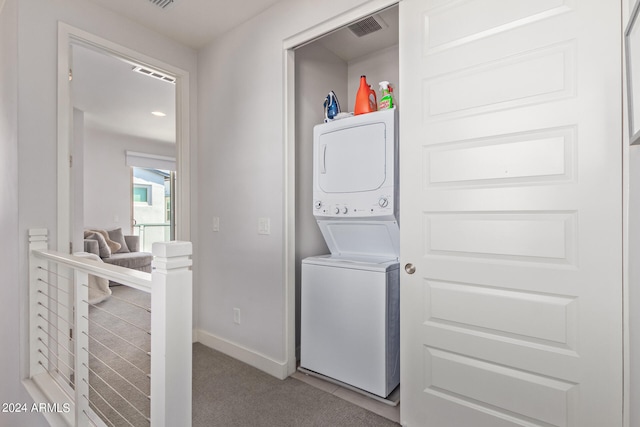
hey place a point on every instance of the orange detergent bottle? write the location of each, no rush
(364, 102)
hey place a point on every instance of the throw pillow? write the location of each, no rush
(113, 246)
(103, 248)
(117, 236)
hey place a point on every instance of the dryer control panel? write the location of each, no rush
(380, 207)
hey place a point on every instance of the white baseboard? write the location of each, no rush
(250, 357)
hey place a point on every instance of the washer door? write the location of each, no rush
(362, 238)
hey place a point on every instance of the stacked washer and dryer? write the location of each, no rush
(350, 299)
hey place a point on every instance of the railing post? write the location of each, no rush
(38, 303)
(81, 320)
(171, 334)
(141, 233)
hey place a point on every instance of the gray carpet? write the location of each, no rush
(128, 377)
(226, 392)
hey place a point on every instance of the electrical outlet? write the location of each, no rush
(215, 224)
(236, 316)
(264, 226)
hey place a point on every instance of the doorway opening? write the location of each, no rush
(72, 135)
(126, 120)
(94, 143)
(331, 58)
(152, 204)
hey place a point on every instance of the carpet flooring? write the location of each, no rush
(119, 360)
(226, 392)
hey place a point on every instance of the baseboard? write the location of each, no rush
(250, 357)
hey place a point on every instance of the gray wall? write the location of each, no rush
(107, 178)
(317, 72)
(633, 259)
(379, 66)
(634, 283)
(242, 167)
(10, 291)
(30, 79)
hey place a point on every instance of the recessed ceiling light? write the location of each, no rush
(158, 113)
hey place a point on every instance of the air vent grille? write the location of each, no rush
(162, 3)
(155, 74)
(367, 26)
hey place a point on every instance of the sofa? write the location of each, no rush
(113, 247)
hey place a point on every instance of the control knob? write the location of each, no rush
(337, 210)
(317, 204)
(345, 210)
(383, 202)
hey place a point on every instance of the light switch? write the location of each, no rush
(264, 226)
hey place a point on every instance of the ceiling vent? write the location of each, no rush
(162, 3)
(155, 74)
(367, 26)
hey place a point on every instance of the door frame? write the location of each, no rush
(68, 36)
(290, 44)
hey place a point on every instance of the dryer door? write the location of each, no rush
(352, 159)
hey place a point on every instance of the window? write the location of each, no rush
(142, 194)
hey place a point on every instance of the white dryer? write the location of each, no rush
(355, 168)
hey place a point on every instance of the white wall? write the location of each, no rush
(77, 181)
(317, 72)
(634, 282)
(241, 164)
(632, 181)
(37, 116)
(378, 66)
(10, 291)
(632, 200)
(107, 178)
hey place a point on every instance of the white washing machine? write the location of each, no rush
(350, 328)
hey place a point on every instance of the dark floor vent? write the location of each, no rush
(162, 3)
(367, 26)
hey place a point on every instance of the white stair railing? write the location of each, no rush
(59, 361)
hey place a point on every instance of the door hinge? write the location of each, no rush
(70, 161)
(70, 74)
(70, 247)
(70, 333)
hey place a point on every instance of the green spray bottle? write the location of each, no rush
(386, 99)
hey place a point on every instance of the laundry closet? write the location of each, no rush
(335, 63)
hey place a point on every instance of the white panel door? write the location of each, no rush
(511, 213)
